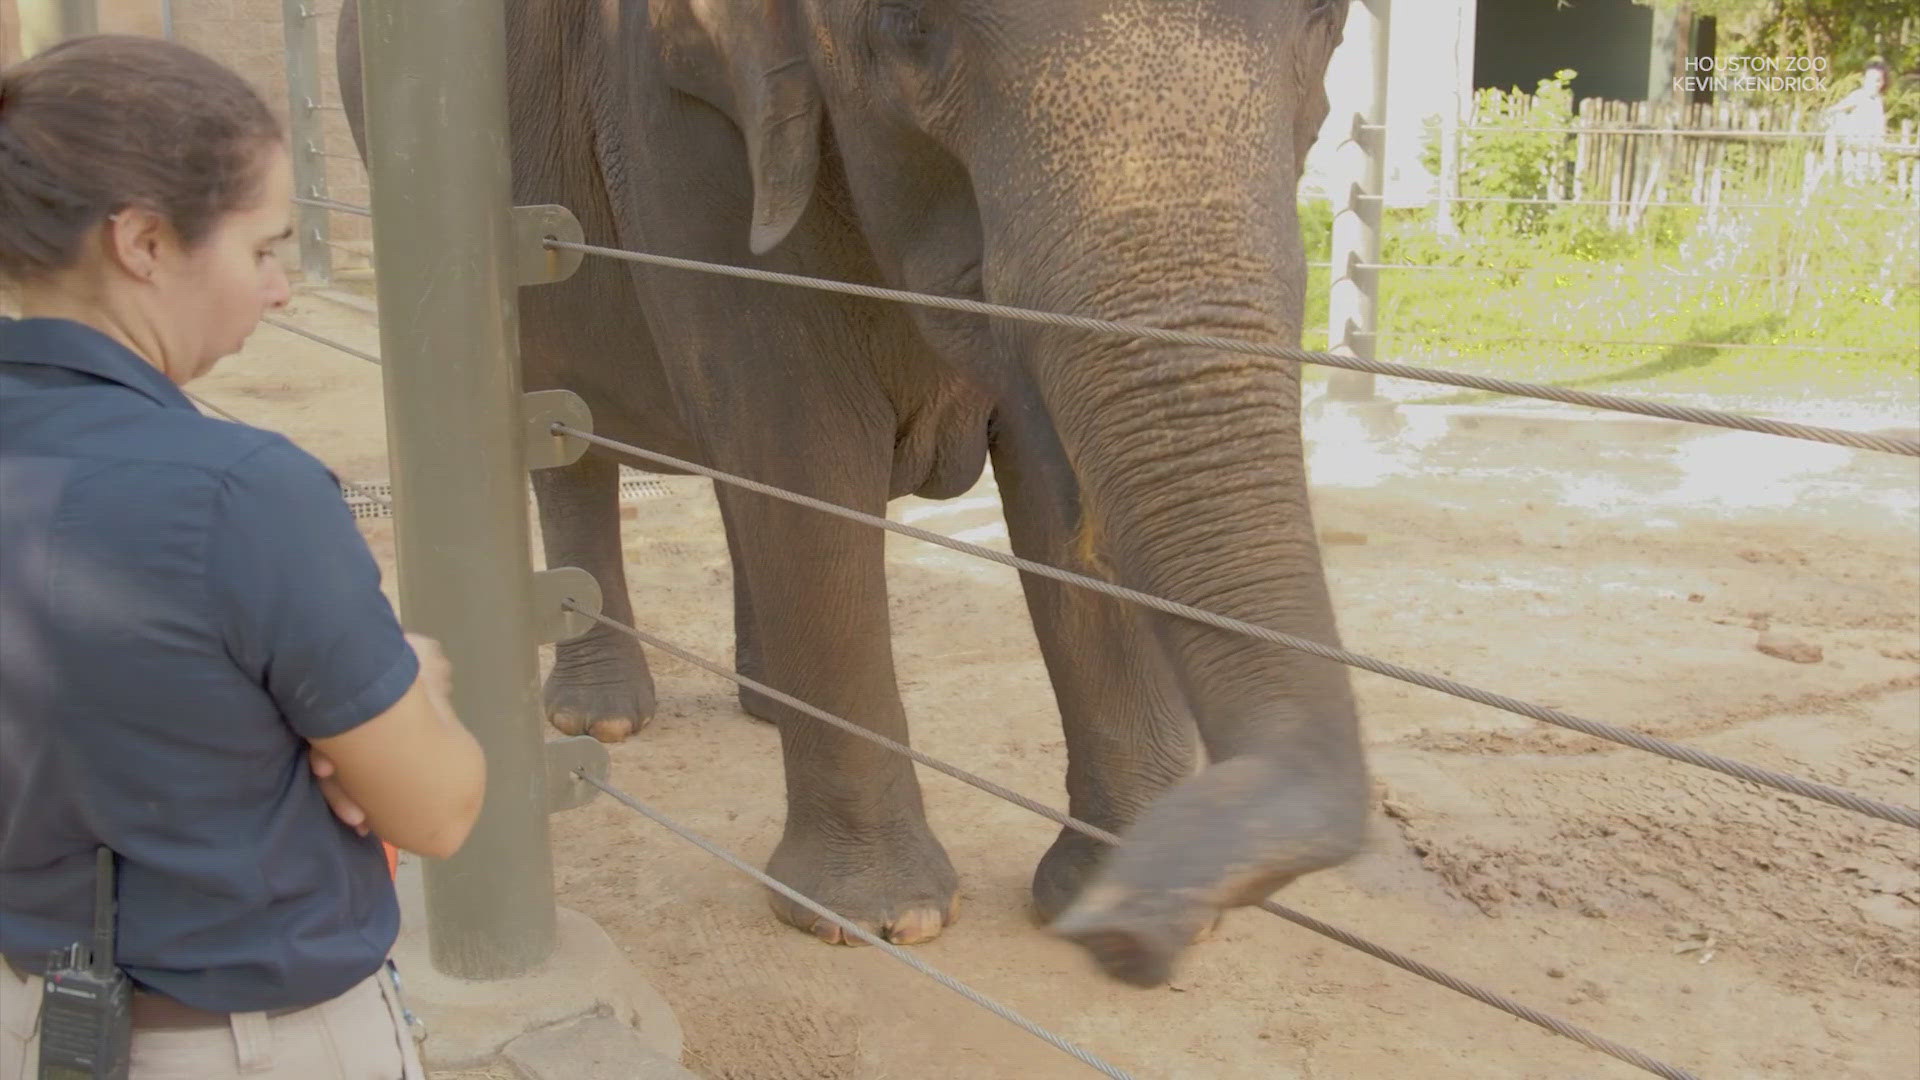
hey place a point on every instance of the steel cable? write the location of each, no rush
(1616, 272)
(365, 493)
(1711, 417)
(1084, 1056)
(333, 204)
(1405, 963)
(1840, 797)
(1685, 204)
(364, 212)
(1738, 346)
(1708, 133)
(327, 341)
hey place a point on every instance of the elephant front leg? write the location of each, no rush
(856, 836)
(1129, 732)
(599, 684)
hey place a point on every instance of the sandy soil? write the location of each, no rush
(1619, 571)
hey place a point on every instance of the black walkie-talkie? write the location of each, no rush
(86, 1006)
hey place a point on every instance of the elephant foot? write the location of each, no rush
(1227, 838)
(610, 711)
(898, 886)
(759, 706)
(1063, 873)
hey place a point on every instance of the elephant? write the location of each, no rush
(1132, 160)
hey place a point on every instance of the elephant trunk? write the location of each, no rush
(1192, 477)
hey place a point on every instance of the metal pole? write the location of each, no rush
(1361, 170)
(1465, 17)
(79, 18)
(436, 120)
(302, 30)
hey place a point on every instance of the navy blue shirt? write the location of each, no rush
(183, 603)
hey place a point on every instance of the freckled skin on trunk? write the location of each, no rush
(1130, 159)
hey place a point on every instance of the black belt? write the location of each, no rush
(154, 1011)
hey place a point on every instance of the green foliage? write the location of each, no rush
(1658, 323)
(1843, 239)
(1512, 153)
(1745, 301)
(1819, 298)
(1845, 33)
(1316, 228)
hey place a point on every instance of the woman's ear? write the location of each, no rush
(135, 240)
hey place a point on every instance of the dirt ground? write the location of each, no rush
(1621, 570)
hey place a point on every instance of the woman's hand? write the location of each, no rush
(344, 808)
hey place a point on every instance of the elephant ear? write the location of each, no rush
(747, 59)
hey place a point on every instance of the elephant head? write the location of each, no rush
(1131, 160)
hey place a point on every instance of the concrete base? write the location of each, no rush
(598, 1046)
(471, 1024)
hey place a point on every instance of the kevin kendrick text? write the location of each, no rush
(1723, 74)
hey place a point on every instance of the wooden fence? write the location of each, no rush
(1629, 155)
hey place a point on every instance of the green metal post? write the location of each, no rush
(434, 72)
(1354, 293)
(79, 18)
(302, 32)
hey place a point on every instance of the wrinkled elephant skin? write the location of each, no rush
(1124, 159)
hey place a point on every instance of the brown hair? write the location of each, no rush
(100, 123)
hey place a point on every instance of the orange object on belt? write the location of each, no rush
(393, 859)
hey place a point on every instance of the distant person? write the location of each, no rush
(198, 670)
(1857, 127)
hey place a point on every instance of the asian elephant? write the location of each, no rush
(1127, 159)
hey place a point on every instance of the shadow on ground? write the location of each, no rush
(1682, 356)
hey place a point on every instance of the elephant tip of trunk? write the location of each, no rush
(1133, 945)
(1127, 954)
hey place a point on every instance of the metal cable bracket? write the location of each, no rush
(536, 260)
(565, 599)
(541, 411)
(570, 761)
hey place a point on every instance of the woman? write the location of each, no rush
(198, 670)
(1857, 125)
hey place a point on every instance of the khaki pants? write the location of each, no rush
(360, 1035)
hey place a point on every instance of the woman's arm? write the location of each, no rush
(415, 772)
(296, 600)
